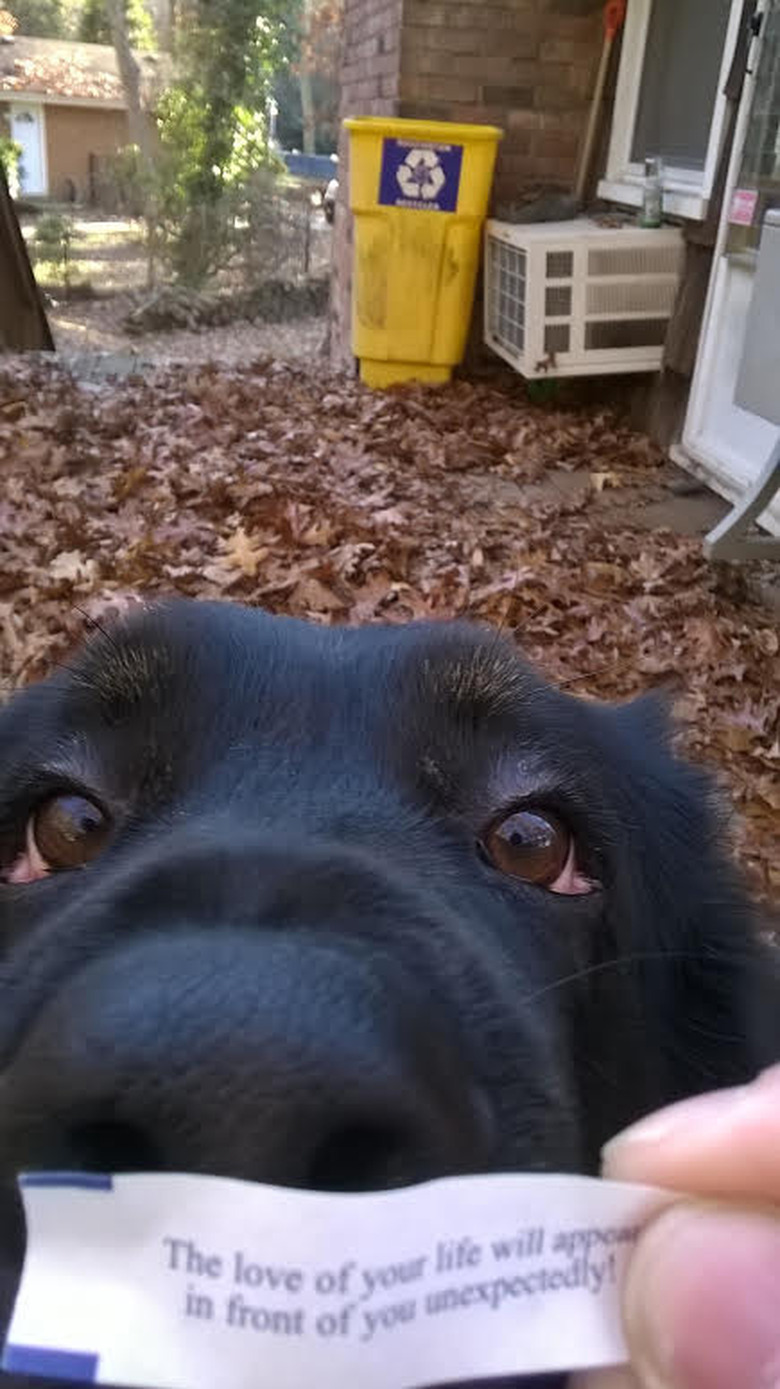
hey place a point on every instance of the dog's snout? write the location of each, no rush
(245, 1054)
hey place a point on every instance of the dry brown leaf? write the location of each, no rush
(607, 479)
(241, 552)
(311, 595)
(73, 567)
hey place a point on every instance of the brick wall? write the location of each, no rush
(525, 65)
(370, 73)
(73, 133)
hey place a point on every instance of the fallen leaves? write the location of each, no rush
(72, 567)
(606, 479)
(241, 552)
(321, 499)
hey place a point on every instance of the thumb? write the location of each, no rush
(702, 1300)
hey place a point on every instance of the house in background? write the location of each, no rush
(63, 103)
(696, 82)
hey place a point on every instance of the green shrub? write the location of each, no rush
(10, 156)
(53, 243)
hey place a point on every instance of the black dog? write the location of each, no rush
(349, 909)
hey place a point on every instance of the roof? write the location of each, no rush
(63, 70)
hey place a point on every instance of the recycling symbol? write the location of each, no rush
(421, 175)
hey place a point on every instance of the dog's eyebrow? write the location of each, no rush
(121, 675)
(480, 684)
(70, 760)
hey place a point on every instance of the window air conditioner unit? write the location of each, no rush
(579, 299)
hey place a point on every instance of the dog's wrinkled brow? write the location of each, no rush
(479, 684)
(123, 675)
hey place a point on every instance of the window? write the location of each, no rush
(669, 99)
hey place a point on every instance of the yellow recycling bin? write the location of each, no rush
(419, 191)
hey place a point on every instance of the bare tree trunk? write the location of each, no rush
(163, 16)
(130, 74)
(307, 110)
(305, 79)
(139, 125)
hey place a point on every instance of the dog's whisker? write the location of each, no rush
(636, 957)
(93, 624)
(612, 666)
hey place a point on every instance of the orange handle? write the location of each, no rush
(614, 16)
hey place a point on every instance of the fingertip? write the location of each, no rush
(701, 1297)
(661, 1140)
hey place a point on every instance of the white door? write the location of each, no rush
(730, 444)
(28, 131)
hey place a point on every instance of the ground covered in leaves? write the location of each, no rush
(311, 496)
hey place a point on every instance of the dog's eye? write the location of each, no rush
(536, 847)
(64, 832)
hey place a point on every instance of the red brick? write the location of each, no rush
(519, 16)
(563, 144)
(580, 27)
(451, 89)
(487, 115)
(384, 22)
(503, 70)
(518, 142)
(580, 51)
(429, 14)
(551, 167)
(525, 118)
(455, 41)
(557, 96)
(561, 120)
(555, 74)
(511, 97)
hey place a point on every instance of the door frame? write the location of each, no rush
(25, 104)
(718, 467)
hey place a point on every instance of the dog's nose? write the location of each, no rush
(274, 1058)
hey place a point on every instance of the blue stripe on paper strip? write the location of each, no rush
(91, 1181)
(53, 1364)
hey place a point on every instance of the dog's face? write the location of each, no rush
(348, 909)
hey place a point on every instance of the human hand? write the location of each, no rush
(701, 1302)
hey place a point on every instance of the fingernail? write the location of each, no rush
(687, 1117)
(701, 1301)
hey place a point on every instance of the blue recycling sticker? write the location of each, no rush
(420, 175)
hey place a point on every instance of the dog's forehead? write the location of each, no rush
(218, 653)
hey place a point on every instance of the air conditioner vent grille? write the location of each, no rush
(631, 296)
(579, 298)
(625, 332)
(560, 265)
(507, 293)
(557, 301)
(634, 260)
(557, 338)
